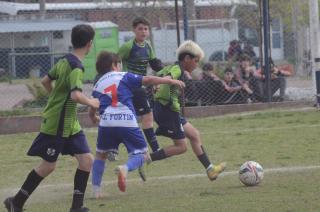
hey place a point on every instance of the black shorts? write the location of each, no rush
(48, 147)
(140, 102)
(170, 123)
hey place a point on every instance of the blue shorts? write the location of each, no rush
(109, 139)
(140, 102)
(170, 123)
(48, 147)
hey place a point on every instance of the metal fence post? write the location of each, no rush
(266, 42)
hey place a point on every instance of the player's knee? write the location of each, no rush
(147, 120)
(45, 168)
(85, 162)
(182, 147)
(194, 136)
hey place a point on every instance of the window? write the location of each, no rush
(276, 34)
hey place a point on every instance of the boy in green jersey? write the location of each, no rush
(136, 54)
(60, 130)
(167, 112)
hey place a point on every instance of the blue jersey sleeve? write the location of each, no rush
(133, 80)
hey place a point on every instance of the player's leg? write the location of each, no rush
(194, 136)
(106, 148)
(169, 125)
(77, 146)
(98, 168)
(142, 108)
(137, 149)
(48, 148)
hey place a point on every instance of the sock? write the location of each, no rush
(151, 139)
(30, 184)
(158, 155)
(97, 172)
(80, 185)
(203, 158)
(135, 161)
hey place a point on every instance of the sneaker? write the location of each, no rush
(82, 209)
(10, 206)
(122, 173)
(215, 170)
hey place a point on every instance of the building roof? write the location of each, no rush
(13, 8)
(47, 25)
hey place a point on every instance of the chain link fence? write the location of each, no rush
(229, 31)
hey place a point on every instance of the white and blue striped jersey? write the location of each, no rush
(114, 91)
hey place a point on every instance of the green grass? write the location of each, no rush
(274, 139)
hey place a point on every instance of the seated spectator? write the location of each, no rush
(248, 50)
(211, 85)
(278, 81)
(233, 92)
(247, 74)
(234, 50)
(208, 72)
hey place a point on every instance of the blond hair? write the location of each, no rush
(190, 47)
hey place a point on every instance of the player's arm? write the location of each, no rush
(156, 64)
(93, 115)
(76, 94)
(47, 83)
(153, 80)
(78, 97)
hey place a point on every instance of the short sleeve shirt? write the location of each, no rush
(169, 94)
(60, 113)
(136, 57)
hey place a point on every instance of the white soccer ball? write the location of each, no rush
(251, 173)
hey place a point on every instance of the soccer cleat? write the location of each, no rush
(215, 170)
(141, 169)
(82, 209)
(142, 173)
(10, 206)
(122, 173)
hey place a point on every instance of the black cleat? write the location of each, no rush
(83, 209)
(10, 206)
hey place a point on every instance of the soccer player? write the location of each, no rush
(136, 54)
(60, 130)
(117, 118)
(166, 112)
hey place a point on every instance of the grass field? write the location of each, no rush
(286, 144)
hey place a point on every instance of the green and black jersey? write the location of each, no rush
(135, 57)
(60, 114)
(169, 94)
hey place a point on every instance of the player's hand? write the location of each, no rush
(95, 119)
(179, 83)
(95, 103)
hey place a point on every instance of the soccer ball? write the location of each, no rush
(251, 173)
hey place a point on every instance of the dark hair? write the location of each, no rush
(140, 20)
(105, 60)
(244, 57)
(207, 67)
(184, 54)
(81, 35)
(228, 70)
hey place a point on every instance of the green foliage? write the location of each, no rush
(38, 92)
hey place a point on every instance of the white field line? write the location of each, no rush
(292, 169)
(240, 130)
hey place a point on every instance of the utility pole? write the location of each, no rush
(266, 45)
(42, 4)
(314, 37)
